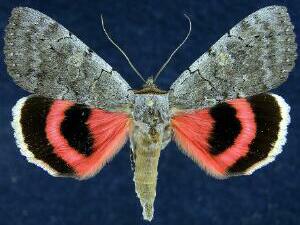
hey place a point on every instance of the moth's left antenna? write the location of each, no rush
(124, 54)
(178, 47)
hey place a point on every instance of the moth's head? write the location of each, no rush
(149, 81)
(150, 88)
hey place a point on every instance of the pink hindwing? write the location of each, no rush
(68, 139)
(235, 137)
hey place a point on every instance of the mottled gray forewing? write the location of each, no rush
(46, 59)
(253, 57)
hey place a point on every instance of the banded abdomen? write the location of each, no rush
(146, 156)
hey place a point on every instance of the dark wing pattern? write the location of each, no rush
(234, 137)
(65, 138)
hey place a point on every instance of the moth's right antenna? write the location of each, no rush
(124, 54)
(178, 47)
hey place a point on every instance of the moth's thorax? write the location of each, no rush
(151, 117)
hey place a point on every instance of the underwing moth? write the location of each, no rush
(81, 111)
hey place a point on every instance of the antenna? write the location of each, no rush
(124, 54)
(178, 47)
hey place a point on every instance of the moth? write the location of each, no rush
(82, 111)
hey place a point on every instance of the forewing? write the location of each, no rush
(253, 57)
(65, 138)
(46, 59)
(235, 137)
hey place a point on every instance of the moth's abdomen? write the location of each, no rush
(145, 178)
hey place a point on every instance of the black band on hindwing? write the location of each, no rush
(75, 130)
(33, 122)
(268, 117)
(226, 128)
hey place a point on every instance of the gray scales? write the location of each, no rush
(46, 59)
